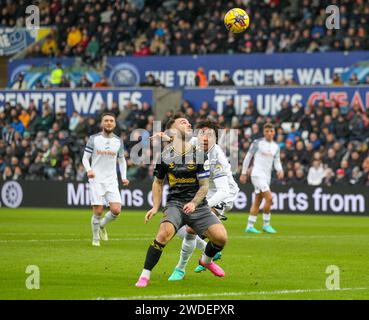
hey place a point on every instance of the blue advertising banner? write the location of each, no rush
(14, 40)
(268, 99)
(83, 101)
(245, 70)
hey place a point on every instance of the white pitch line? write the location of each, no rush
(258, 237)
(69, 240)
(228, 294)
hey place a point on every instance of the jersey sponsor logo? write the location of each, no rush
(173, 180)
(267, 154)
(106, 153)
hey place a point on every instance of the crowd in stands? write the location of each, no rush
(95, 28)
(320, 145)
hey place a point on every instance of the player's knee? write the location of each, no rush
(190, 230)
(115, 211)
(221, 238)
(165, 234)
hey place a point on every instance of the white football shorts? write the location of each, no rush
(260, 184)
(104, 193)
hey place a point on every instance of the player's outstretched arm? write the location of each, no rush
(157, 192)
(199, 197)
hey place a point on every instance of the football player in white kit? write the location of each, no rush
(223, 190)
(104, 149)
(265, 154)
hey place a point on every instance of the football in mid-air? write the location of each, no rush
(236, 20)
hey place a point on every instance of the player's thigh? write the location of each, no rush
(166, 232)
(267, 195)
(260, 184)
(201, 219)
(113, 197)
(217, 233)
(96, 195)
(173, 214)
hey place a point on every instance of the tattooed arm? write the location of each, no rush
(199, 197)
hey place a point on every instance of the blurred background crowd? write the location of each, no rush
(320, 145)
(94, 28)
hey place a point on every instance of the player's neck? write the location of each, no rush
(181, 146)
(107, 134)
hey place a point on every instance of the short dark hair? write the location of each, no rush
(107, 113)
(268, 126)
(209, 124)
(176, 116)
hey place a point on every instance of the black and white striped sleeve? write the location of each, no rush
(90, 145)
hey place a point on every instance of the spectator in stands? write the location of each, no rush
(354, 80)
(214, 81)
(227, 80)
(336, 81)
(340, 177)
(200, 78)
(56, 76)
(316, 174)
(74, 36)
(49, 46)
(84, 82)
(103, 83)
(229, 112)
(21, 83)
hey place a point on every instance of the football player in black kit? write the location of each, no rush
(187, 171)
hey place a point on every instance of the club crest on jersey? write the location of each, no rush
(191, 165)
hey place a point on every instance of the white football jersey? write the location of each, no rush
(104, 153)
(266, 155)
(219, 167)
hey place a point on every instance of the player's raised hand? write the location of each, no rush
(152, 212)
(125, 182)
(162, 135)
(280, 174)
(243, 178)
(189, 208)
(91, 174)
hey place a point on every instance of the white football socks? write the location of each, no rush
(200, 244)
(266, 219)
(251, 221)
(146, 274)
(95, 225)
(188, 246)
(108, 217)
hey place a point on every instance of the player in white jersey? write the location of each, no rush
(104, 149)
(266, 155)
(223, 190)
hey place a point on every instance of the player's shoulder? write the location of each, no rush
(116, 137)
(95, 135)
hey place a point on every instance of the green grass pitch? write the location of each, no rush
(288, 265)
